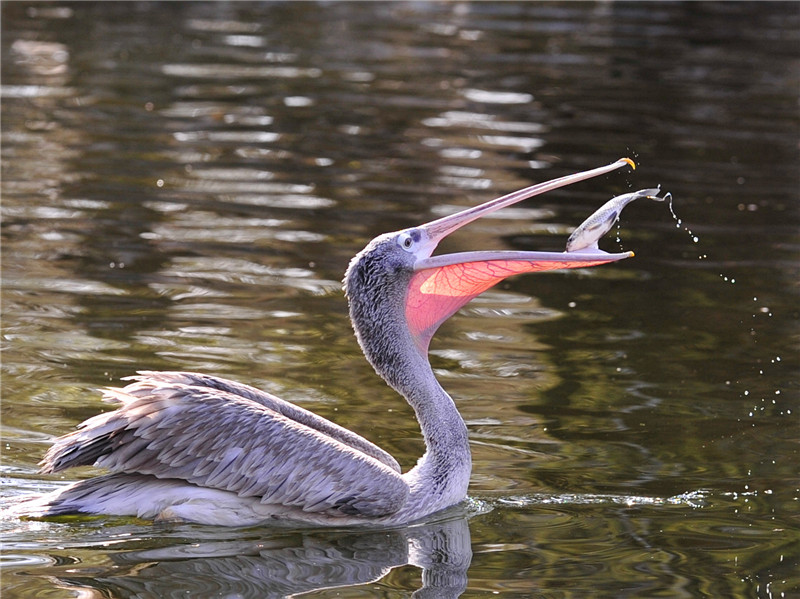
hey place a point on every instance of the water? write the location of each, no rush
(184, 184)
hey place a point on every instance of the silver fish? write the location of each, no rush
(598, 224)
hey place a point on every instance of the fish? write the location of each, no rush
(586, 236)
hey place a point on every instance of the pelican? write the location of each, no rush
(183, 446)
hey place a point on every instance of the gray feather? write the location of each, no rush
(277, 404)
(212, 437)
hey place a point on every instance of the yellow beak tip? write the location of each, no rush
(631, 162)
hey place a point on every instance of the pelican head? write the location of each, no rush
(399, 292)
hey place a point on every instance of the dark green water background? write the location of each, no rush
(183, 185)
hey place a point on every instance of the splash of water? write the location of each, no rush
(767, 403)
(679, 224)
(693, 499)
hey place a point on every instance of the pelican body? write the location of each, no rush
(192, 447)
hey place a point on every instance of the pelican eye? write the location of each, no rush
(407, 240)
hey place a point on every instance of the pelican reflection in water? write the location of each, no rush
(198, 448)
(268, 563)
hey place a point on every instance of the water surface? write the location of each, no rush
(184, 184)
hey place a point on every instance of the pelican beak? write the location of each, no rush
(438, 229)
(440, 285)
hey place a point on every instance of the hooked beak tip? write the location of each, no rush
(630, 162)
